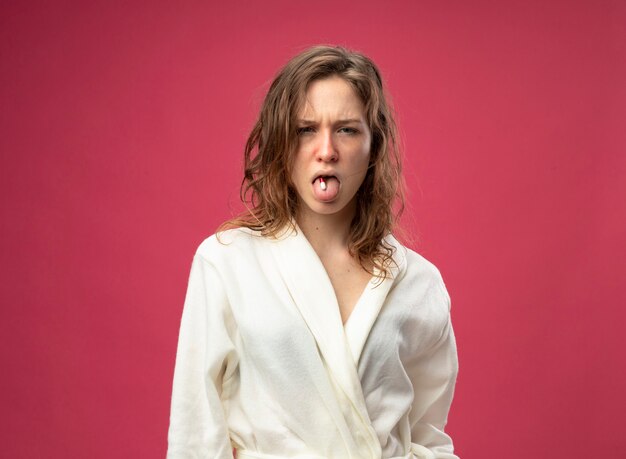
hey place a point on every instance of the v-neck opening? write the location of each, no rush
(361, 296)
(308, 282)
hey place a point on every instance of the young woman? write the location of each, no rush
(308, 329)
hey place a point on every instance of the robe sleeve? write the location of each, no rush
(433, 375)
(205, 358)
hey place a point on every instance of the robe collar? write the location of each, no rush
(310, 286)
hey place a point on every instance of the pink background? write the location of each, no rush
(122, 132)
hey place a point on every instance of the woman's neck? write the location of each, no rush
(327, 233)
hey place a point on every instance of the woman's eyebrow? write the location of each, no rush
(341, 121)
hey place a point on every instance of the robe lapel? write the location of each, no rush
(366, 311)
(314, 296)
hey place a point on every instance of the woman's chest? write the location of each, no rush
(349, 281)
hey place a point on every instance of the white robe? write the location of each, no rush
(265, 365)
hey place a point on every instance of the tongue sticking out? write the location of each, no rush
(331, 191)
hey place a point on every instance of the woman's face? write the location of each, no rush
(333, 140)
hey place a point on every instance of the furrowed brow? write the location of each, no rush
(342, 121)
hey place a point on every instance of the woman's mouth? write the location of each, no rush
(326, 187)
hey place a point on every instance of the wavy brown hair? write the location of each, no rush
(273, 142)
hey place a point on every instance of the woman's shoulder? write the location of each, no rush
(416, 263)
(224, 244)
(422, 265)
(423, 273)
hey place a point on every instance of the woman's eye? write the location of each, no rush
(304, 130)
(309, 129)
(348, 130)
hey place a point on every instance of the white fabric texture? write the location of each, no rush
(265, 365)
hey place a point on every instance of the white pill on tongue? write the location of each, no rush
(326, 189)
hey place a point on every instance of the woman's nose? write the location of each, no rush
(326, 150)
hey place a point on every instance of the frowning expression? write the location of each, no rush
(334, 140)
